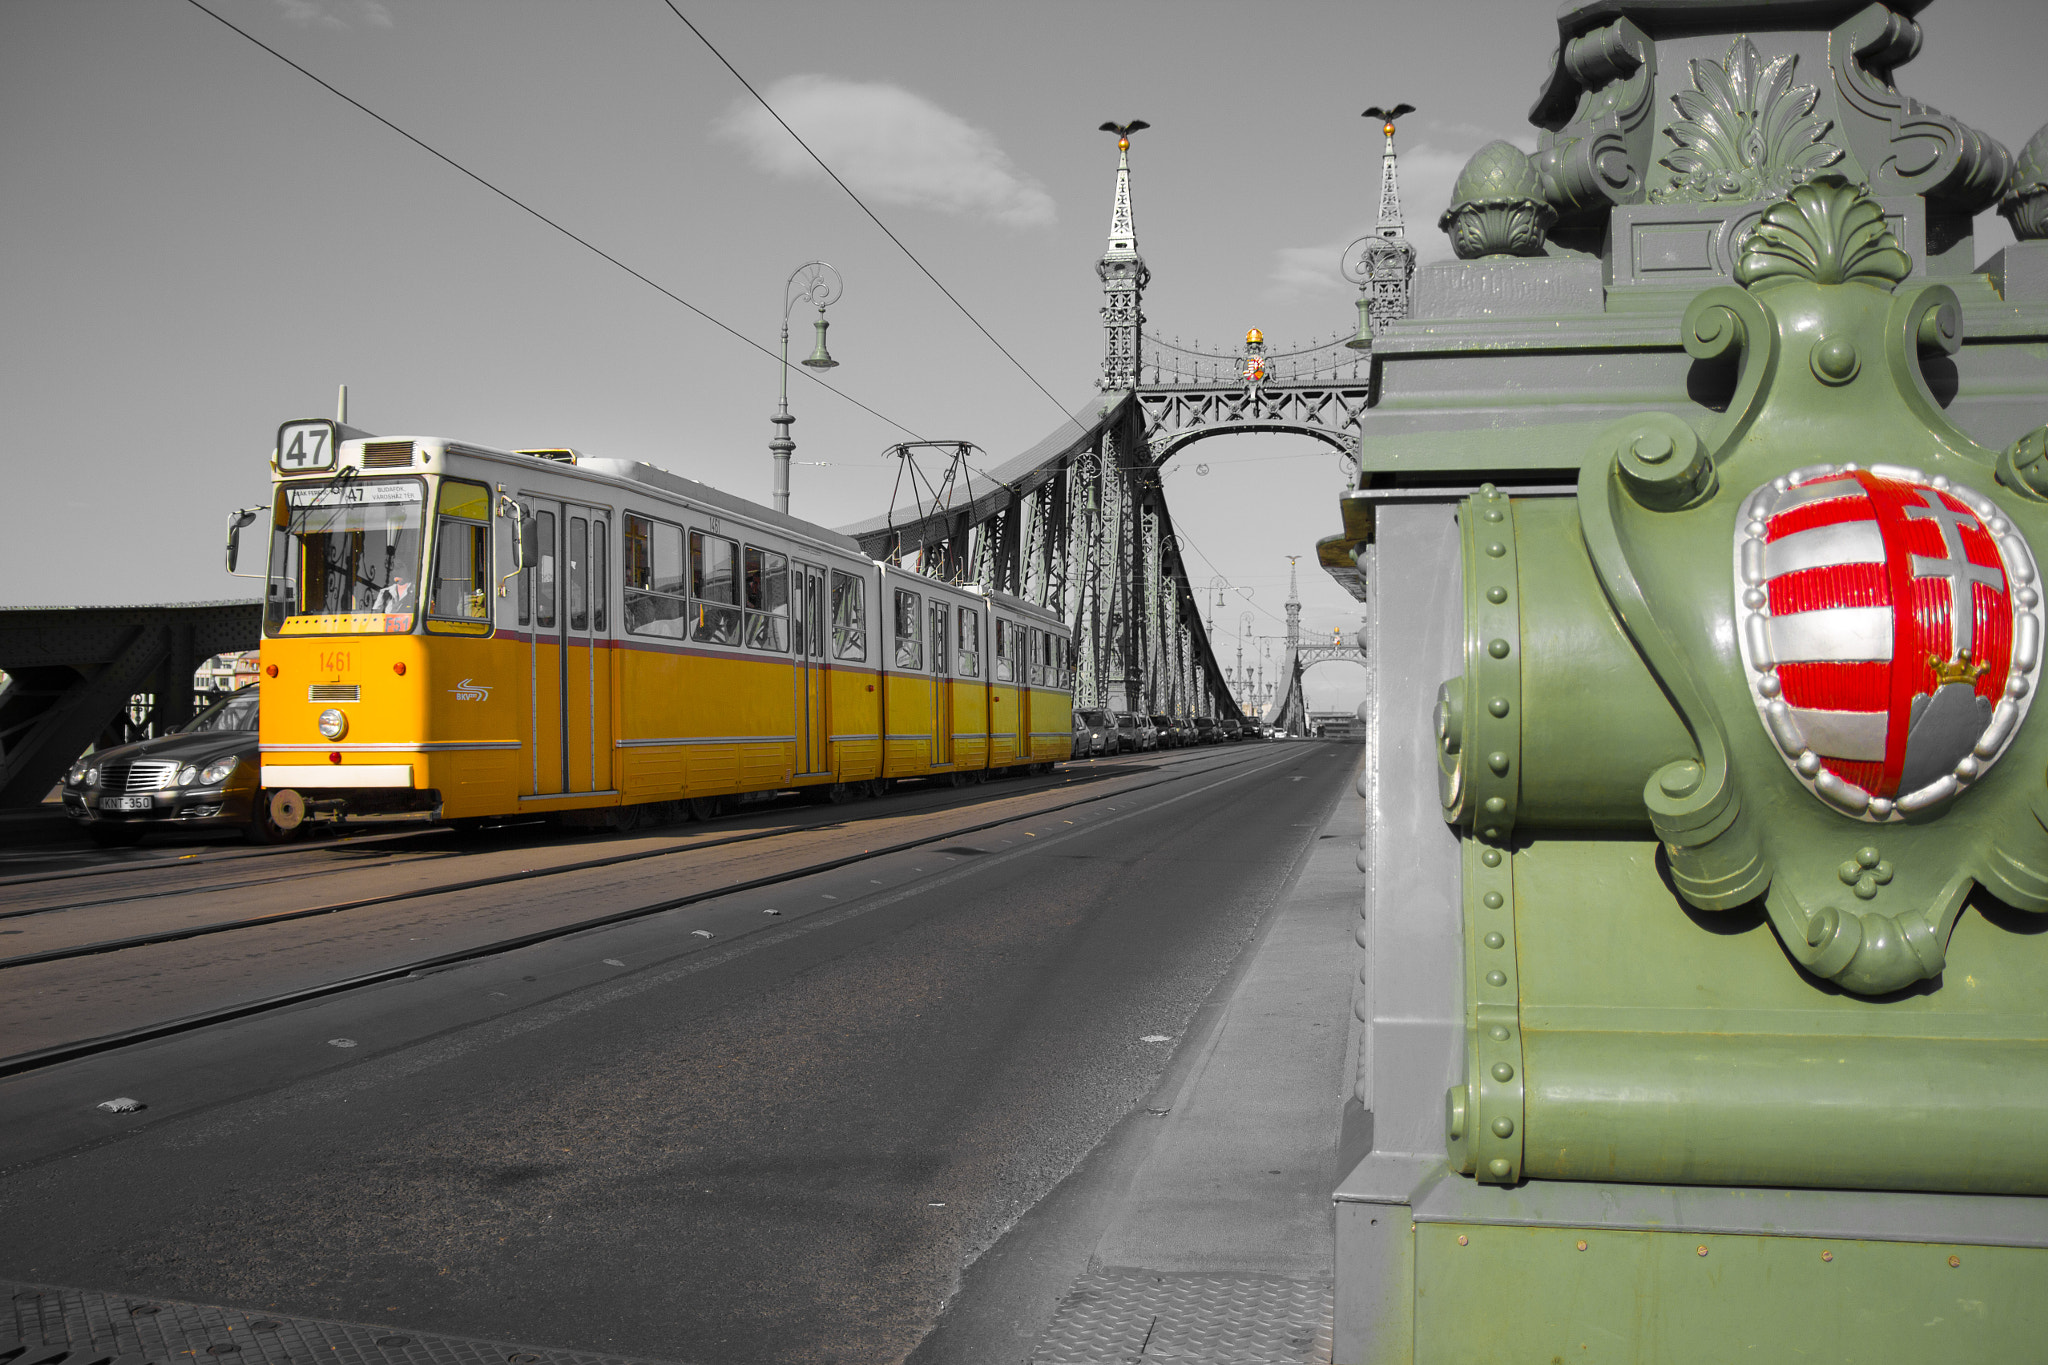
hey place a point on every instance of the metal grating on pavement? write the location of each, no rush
(1134, 1317)
(50, 1326)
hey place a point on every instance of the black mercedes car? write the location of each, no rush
(206, 775)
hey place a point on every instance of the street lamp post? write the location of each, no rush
(1244, 628)
(817, 283)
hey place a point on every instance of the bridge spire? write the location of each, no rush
(1123, 274)
(1382, 263)
(1293, 604)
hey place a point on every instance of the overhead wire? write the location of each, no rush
(964, 311)
(529, 209)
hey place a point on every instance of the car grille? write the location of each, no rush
(148, 775)
(334, 692)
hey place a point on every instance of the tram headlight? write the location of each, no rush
(217, 771)
(187, 775)
(333, 724)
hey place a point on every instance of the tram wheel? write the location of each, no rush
(707, 807)
(839, 793)
(877, 786)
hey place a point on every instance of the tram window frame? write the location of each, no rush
(1034, 665)
(968, 645)
(576, 559)
(600, 569)
(766, 574)
(909, 642)
(1006, 651)
(299, 518)
(546, 571)
(656, 584)
(462, 518)
(849, 616)
(714, 596)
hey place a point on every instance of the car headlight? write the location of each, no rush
(217, 771)
(76, 777)
(333, 724)
(187, 775)
(92, 776)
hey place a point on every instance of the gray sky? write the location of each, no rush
(201, 243)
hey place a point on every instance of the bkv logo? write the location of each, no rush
(467, 690)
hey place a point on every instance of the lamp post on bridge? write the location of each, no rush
(1245, 622)
(817, 283)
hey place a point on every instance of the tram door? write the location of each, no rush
(570, 671)
(1026, 639)
(942, 686)
(813, 718)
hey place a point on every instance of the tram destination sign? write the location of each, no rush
(353, 494)
(303, 447)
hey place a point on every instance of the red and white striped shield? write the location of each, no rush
(1891, 627)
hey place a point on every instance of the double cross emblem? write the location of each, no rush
(1955, 568)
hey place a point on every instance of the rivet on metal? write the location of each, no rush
(1503, 1072)
(1500, 1167)
(1494, 940)
(1491, 857)
(1494, 514)
(1496, 549)
(1493, 900)
(1496, 594)
(1497, 979)
(1497, 648)
(1498, 761)
(1498, 1033)
(1503, 1127)
(1495, 805)
(1498, 708)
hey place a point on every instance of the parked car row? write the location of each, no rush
(1098, 733)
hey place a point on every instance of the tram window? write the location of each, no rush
(579, 573)
(909, 631)
(849, 617)
(343, 548)
(462, 570)
(1045, 673)
(600, 573)
(544, 573)
(767, 600)
(1035, 667)
(938, 634)
(657, 595)
(715, 588)
(524, 581)
(970, 644)
(1006, 651)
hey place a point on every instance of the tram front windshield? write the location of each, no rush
(345, 557)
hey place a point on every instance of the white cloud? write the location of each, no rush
(329, 13)
(891, 145)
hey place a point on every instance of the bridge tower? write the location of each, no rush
(1293, 604)
(1382, 263)
(1123, 275)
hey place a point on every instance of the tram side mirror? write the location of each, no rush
(528, 549)
(236, 521)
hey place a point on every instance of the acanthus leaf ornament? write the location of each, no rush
(1745, 131)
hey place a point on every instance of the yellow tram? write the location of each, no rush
(487, 633)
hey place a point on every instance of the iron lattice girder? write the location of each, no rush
(74, 669)
(1179, 413)
(1100, 441)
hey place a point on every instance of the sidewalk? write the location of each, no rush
(1221, 1246)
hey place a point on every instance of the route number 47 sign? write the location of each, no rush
(303, 446)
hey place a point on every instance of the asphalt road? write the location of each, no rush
(780, 1144)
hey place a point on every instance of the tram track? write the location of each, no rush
(56, 1054)
(687, 843)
